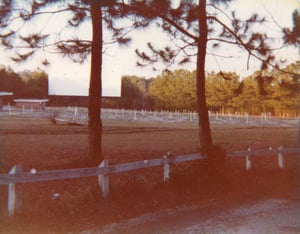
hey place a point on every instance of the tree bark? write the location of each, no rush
(204, 126)
(95, 89)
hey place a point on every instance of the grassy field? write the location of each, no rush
(38, 143)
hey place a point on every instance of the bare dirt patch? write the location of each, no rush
(38, 143)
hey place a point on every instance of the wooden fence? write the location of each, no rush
(16, 176)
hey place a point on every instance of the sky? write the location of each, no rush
(69, 78)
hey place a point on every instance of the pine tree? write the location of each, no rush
(199, 28)
(20, 33)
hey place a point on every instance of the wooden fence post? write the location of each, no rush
(167, 159)
(14, 193)
(280, 158)
(103, 180)
(9, 109)
(166, 168)
(248, 159)
(298, 131)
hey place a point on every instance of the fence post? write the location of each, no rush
(167, 159)
(247, 119)
(103, 179)
(298, 131)
(280, 158)
(248, 159)
(9, 109)
(166, 168)
(14, 193)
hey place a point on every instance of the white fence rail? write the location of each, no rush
(79, 115)
(16, 176)
(30, 177)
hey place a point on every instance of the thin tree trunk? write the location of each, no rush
(95, 89)
(204, 126)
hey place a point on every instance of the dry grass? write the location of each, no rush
(40, 144)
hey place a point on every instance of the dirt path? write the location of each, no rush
(265, 216)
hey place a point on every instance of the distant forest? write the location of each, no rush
(25, 84)
(273, 91)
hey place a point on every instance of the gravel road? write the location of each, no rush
(265, 216)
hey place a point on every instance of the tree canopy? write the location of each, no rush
(26, 84)
(174, 90)
(273, 91)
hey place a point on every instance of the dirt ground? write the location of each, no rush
(263, 216)
(136, 196)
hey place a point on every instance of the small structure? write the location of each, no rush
(33, 104)
(2, 98)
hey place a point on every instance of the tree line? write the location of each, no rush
(274, 91)
(25, 84)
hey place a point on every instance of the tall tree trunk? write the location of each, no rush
(95, 89)
(204, 127)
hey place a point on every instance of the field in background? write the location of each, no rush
(79, 115)
(34, 141)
